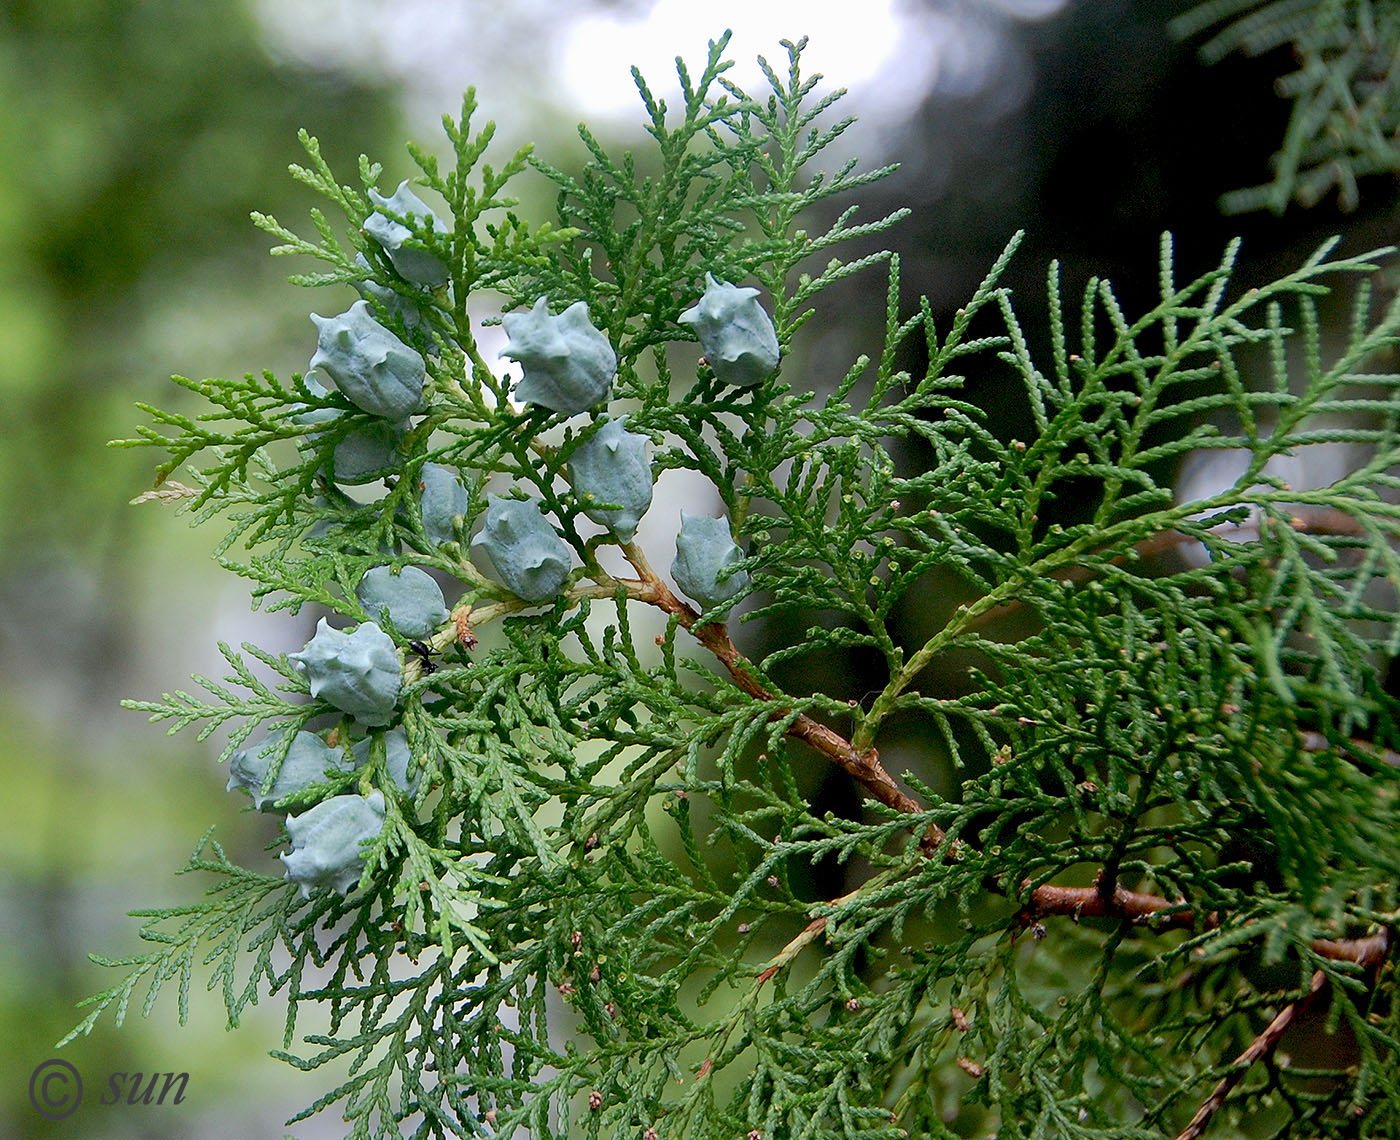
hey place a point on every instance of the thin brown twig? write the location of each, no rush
(863, 766)
(792, 949)
(1261, 1046)
(1163, 914)
(1369, 951)
(1091, 902)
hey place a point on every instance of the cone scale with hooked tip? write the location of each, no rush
(358, 672)
(611, 466)
(404, 250)
(736, 333)
(569, 365)
(326, 841)
(372, 367)
(525, 551)
(705, 550)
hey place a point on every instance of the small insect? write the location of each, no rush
(424, 655)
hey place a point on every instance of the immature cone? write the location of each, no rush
(357, 672)
(309, 417)
(444, 501)
(735, 332)
(704, 551)
(611, 466)
(395, 303)
(569, 365)
(326, 841)
(397, 759)
(374, 369)
(413, 263)
(526, 553)
(309, 760)
(368, 451)
(410, 597)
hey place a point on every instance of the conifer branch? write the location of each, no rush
(1260, 1047)
(1345, 91)
(559, 813)
(1303, 519)
(864, 766)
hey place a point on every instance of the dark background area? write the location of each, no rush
(1121, 134)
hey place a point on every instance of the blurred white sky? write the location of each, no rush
(529, 58)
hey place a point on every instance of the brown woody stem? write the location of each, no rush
(1161, 914)
(1261, 1046)
(864, 766)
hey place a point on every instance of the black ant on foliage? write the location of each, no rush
(424, 655)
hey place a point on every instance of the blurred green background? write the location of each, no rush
(136, 138)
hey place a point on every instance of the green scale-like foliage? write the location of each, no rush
(590, 920)
(1345, 91)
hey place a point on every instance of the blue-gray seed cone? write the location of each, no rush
(411, 598)
(357, 672)
(444, 501)
(525, 551)
(326, 840)
(309, 760)
(611, 466)
(569, 365)
(397, 759)
(704, 550)
(413, 263)
(736, 333)
(372, 367)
